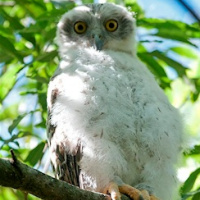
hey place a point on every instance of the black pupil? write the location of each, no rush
(111, 25)
(80, 27)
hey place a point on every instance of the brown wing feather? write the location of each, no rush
(66, 156)
(67, 162)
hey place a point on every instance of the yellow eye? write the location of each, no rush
(111, 25)
(80, 27)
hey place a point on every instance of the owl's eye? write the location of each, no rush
(111, 25)
(80, 27)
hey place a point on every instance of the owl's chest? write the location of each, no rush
(112, 82)
(105, 97)
(110, 89)
(110, 106)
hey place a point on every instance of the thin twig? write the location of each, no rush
(192, 12)
(14, 158)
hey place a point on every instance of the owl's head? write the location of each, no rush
(102, 26)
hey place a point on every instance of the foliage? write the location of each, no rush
(28, 58)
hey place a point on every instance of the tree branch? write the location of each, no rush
(19, 176)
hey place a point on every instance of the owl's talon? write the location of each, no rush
(114, 191)
(132, 192)
(153, 198)
(147, 196)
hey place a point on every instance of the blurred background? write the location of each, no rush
(168, 36)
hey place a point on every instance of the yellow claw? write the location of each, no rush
(115, 192)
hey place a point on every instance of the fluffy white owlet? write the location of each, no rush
(111, 129)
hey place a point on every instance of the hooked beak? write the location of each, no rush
(98, 42)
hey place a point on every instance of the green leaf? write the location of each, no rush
(33, 28)
(8, 80)
(195, 150)
(189, 194)
(132, 5)
(180, 69)
(156, 69)
(42, 100)
(15, 123)
(41, 125)
(14, 21)
(17, 143)
(54, 15)
(9, 112)
(184, 51)
(9, 48)
(154, 66)
(189, 183)
(38, 76)
(6, 32)
(196, 196)
(18, 120)
(170, 29)
(36, 154)
(47, 56)
(5, 58)
(33, 8)
(87, 1)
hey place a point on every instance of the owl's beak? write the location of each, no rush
(98, 42)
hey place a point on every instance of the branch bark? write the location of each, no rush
(19, 176)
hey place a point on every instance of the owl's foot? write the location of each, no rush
(115, 192)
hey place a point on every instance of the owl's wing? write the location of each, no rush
(65, 156)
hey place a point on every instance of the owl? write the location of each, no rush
(111, 129)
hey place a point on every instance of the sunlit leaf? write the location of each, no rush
(18, 120)
(8, 80)
(34, 8)
(42, 100)
(196, 196)
(8, 46)
(14, 21)
(156, 69)
(41, 125)
(171, 29)
(38, 72)
(189, 183)
(53, 15)
(154, 66)
(15, 123)
(180, 69)
(6, 32)
(9, 112)
(135, 7)
(35, 154)
(194, 151)
(5, 58)
(184, 51)
(87, 1)
(7, 193)
(188, 195)
(45, 57)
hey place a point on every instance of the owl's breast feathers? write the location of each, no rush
(75, 95)
(105, 109)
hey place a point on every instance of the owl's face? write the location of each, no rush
(102, 26)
